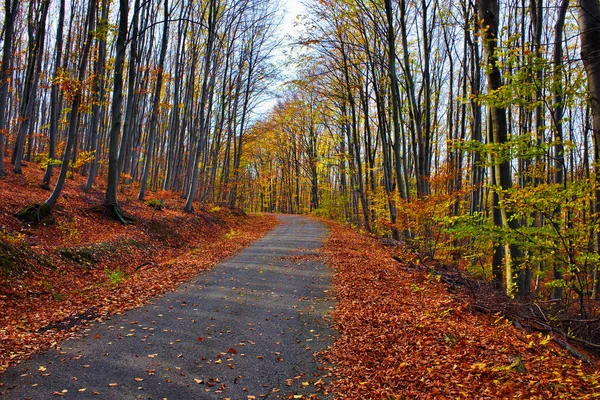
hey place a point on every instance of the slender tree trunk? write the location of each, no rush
(98, 106)
(75, 105)
(212, 19)
(54, 98)
(11, 9)
(395, 95)
(489, 13)
(156, 104)
(110, 198)
(557, 116)
(37, 39)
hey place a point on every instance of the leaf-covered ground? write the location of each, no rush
(81, 265)
(403, 334)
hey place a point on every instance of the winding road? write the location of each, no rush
(247, 329)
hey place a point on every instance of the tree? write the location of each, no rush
(37, 37)
(11, 9)
(54, 97)
(489, 13)
(110, 198)
(589, 25)
(156, 102)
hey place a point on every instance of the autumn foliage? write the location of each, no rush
(405, 334)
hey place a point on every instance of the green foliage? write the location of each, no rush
(556, 232)
(43, 161)
(157, 204)
(115, 276)
(523, 147)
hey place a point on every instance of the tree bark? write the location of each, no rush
(110, 198)
(588, 19)
(156, 104)
(54, 98)
(11, 9)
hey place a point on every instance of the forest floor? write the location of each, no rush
(403, 333)
(80, 265)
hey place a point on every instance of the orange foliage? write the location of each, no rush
(403, 334)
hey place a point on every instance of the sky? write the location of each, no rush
(289, 32)
(292, 9)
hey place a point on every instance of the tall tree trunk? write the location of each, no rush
(110, 198)
(395, 95)
(557, 116)
(132, 97)
(37, 37)
(98, 106)
(489, 14)
(156, 104)
(212, 19)
(54, 97)
(588, 20)
(11, 9)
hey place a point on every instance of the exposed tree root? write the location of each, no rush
(34, 213)
(115, 212)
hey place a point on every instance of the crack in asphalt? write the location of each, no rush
(249, 327)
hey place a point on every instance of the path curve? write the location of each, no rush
(249, 327)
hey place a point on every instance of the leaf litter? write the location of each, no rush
(403, 334)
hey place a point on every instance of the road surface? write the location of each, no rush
(246, 329)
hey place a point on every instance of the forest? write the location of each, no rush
(465, 131)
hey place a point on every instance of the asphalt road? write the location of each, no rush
(247, 329)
